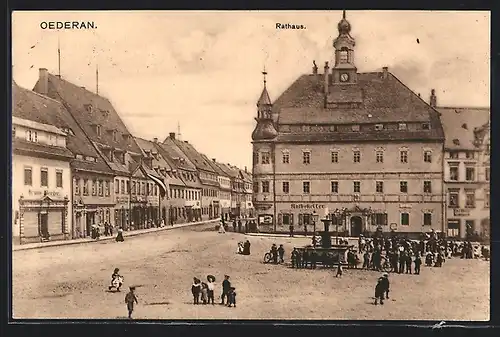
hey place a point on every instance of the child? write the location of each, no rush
(418, 263)
(339, 270)
(281, 253)
(379, 291)
(231, 297)
(210, 289)
(130, 298)
(113, 277)
(366, 260)
(204, 293)
(195, 290)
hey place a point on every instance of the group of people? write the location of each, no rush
(244, 248)
(205, 290)
(130, 297)
(277, 254)
(237, 226)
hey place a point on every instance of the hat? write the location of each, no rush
(132, 288)
(385, 275)
(211, 278)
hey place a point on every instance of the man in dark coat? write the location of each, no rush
(379, 291)
(240, 226)
(385, 285)
(291, 230)
(226, 285)
(418, 263)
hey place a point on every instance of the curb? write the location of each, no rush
(107, 238)
(298, 236)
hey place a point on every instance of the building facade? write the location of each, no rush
(225, 189)
(246, 203)
(466, 170)
(41, 183)
(359, 147)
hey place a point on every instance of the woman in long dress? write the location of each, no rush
(119, 236)
(221, 228)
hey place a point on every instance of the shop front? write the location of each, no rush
(225, 208)
(121, 216)
(192, 210)
(44, 219)
(87, 215)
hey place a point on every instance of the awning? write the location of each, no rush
(160, 183)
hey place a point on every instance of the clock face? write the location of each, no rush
(344, 77)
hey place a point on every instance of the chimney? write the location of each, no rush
(418, 94)
(43, 80)
(155, 140)
(246, 170)
(83, 88)
(385, 72)
(213, 159)
(433, 99)
(315, 68)
(172, 135)
(326, 78)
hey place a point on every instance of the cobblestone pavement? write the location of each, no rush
(71, 282)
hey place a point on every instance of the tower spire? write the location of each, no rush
(264, 72)
(343, 14)
(59, 56)
(97, 78)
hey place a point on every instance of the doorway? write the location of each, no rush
(43, 220)
(89, 223)
(356, 226)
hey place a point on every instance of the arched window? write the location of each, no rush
(344, 55)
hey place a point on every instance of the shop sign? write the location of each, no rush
(40, 193)
(265, 219)
(461, 212)
(307, 206)
(121, 200)
(404, 205)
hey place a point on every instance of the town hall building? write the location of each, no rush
(361, 148)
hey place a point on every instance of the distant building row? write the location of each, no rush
(75, 165)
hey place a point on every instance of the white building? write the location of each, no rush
(41, 180)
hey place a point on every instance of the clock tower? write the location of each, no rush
(344, 71)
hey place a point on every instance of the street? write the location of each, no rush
(71, 282)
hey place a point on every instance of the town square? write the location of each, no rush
(215, 174)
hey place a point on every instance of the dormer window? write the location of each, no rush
(88, 107)
(355, 128)
(402, 126)
(105, 113)
(333, 128)
(456, 141)
(98, 130)
(464, 126)
(114, 135)
(32, 136)
(426, 126)
(379, 127)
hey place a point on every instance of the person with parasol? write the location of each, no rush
(211, 288)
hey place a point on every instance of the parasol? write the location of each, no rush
(211, 278)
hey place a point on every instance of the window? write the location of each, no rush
(28, 176)
(101, 188)
(255, 187)
(335, 157)
(470, 227)
(94, 187)
(469, 155)
(256, 157)
(379, 187)
(379, 219)
(117, 186)
(427, 156)
(454, 173)
(470, 173)
(470, 199)
(379, 127)
(380, 156)
(356, 156)
(403, 156)
(427, 186)
(85, 187)
(453, 202)
(356, 186)
(403, 186)
(454, 155)
(335, 186)
(343, 55)
(427, 219)
(453, 228)
(98, 130)
(265, 186)
(286, 187)
(486, 199)
(114, 136)
(402, 126)
(106, 188)
(128, 187)
(32, 136)
(13, 132)
(122, 187)
(355, 128)
(426, 126)
(76, 186)
(487, 174)
(286, 158)
(265, 158)
(306, 157)
(306, 187)
(44, 177)
(405, 219)
(59, 179)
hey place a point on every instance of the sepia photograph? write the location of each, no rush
(251, 165)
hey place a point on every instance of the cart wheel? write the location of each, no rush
(267, 257)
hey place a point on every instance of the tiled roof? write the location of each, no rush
(181, 160)
(30, 105)
(215, 167)
(147, 145)
(116, 167)
(459, 124)
(41, 149)
(37, 126)
(194, 156)
(90, 109)
(384, 100)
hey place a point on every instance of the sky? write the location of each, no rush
(202, 71)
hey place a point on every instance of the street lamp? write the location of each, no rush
(315, 219)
